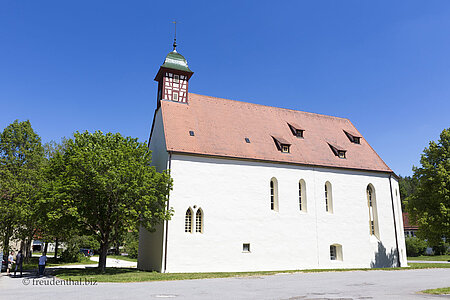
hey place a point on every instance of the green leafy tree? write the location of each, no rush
(132, 244)
(429, 206)
(407, 186)
(21, 158)
(106, 183)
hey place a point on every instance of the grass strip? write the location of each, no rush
(439, 291)
(431, 258)
(134, 275)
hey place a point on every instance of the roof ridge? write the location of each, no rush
(289, 109)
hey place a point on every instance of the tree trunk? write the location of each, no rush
(56, 248)
(45, 248)
(102, 258)
(117, 248)
(6, 238)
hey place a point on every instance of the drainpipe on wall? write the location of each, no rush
(395, 223)
(167, 221)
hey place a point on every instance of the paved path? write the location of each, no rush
(429, 261)
(401, 284)
(116, 263)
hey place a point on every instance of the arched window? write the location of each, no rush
(302, 195)
(371, 204)
(274, 194)
(199, 221)
(328, 197)
(188, 221)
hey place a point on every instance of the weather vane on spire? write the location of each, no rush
(175, 37)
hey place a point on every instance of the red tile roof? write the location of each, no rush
(221, 126)
(406, 224)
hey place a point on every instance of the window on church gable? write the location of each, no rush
(328, 198)
(245, 247)
(353, 137)
(285, 148)
(274, 194)
(188, 221)
(199, 221)
(302, 195)
(191, 133)
(247, 140)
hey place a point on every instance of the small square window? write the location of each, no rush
(247, 140)
(357, 140)
(176, 78)
(191, 133)
(299, 133)
(285, 148)
(341, 154)
(245, 247)
(175, 96)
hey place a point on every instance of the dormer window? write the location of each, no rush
(355, 139)
(176, 78)
(282, 145)
(296, 130)
(338, 151)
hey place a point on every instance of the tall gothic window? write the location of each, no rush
(199, 221)
(328, 198)
(274, 194)
(188, 221)
(371, 204)
(302, 195)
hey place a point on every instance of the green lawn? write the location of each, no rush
(32, 263)
(440, 291)
(431, 258)
(133, 275)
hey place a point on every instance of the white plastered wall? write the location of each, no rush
(151, 245)
(235, 198)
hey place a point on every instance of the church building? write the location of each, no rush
(259, 188)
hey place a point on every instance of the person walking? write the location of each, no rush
(42, 261)
(19, 262)
(10, 262)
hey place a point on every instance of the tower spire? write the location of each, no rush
(175, 37)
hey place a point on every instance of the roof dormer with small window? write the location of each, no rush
(296, 130)
(354, 138)
(338, 151)
(282, 145)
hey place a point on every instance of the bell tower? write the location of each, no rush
(173, 77)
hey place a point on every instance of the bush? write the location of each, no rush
(442, 249)
(72, 252)
(415, 246)
(132, 244)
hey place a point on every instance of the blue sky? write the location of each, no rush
(89, 65)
